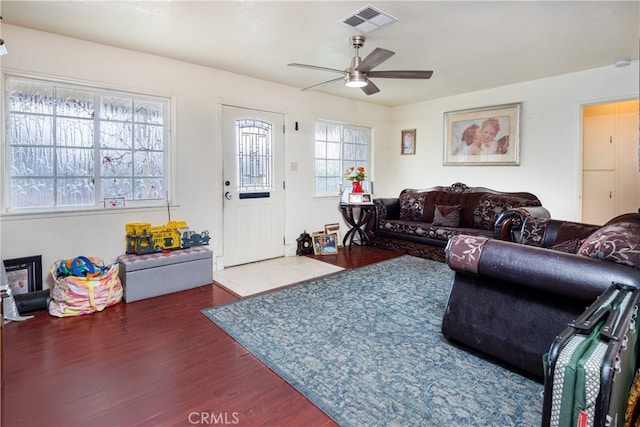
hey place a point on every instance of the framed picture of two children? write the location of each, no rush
(483, 136)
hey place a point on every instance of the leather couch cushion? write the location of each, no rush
(569, 230)
(618, 242)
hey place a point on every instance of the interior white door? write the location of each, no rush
(598, 163)
(253, 185)
(598, 196)
(610, 178)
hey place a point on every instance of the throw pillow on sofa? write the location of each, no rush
(569, 246)
(412, 206)
(618, 242)
(446, 216)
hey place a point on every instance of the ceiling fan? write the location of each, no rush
(360, 71)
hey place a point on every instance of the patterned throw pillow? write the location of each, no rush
(447, 216)
(618, 242)
(568, 246)
(412, 206)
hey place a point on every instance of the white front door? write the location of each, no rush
(253, 185)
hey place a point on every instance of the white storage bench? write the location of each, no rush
(146, 276)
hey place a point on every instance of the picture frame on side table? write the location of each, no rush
(329, 244)
(486, 136)
(360, 199)
(24, 274)
(408, 142)
(355, 198)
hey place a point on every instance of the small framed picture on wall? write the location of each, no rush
(408, 142)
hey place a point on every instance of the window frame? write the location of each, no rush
(344, 164)
(98, 90)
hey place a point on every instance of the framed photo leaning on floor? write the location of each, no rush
(334, 228)
(24, 274)
(329, 244)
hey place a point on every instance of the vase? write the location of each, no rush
(356, 187)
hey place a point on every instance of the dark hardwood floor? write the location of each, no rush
(156, 362)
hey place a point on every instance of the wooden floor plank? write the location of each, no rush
(155, 362)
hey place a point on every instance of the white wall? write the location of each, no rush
(550, 138)
(198, 93)
(550, 135)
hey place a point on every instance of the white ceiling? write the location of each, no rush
(470, 45)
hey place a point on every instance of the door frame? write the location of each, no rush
(219, 175)
(580, 163)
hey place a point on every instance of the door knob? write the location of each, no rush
(227, 195)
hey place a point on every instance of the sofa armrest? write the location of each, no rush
(564, 274)
(509, 223)
(549, 232)
(546, 233)
(385, 209)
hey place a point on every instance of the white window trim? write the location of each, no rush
(337, 195)
(170, 200)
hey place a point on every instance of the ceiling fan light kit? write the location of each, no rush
(358, 73)
(356, 80)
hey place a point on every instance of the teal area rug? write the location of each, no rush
(365, 346)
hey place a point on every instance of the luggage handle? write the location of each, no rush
(590, 318)
(592, 314)
(607, 329)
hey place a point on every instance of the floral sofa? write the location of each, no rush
(510, 300)
(431, 216)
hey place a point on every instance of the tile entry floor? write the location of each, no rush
(258, 277)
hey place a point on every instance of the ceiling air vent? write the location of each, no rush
(368, 19)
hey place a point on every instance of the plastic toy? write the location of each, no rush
(143, 238)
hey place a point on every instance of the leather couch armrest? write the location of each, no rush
(549, 232)
(386, 209)
(509, 224)
(568, 275)
(546, 233)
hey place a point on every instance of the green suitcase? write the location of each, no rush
(591, 364)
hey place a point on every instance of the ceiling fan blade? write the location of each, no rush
(370, 88)
(315, 67)
(375, 58)
(324, 83)
(404, 74)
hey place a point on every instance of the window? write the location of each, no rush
(254, 155)
(337, 147)
(73, 146)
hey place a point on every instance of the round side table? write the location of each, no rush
(357, 216)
